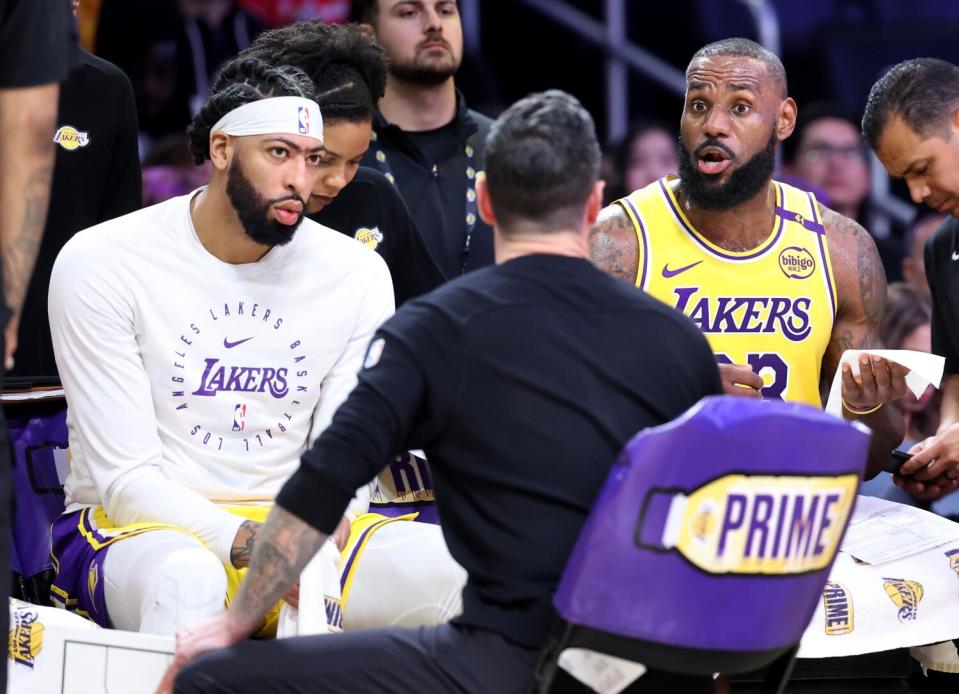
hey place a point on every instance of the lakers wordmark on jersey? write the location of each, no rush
(772, 306)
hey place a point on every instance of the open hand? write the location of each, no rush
(879, 381)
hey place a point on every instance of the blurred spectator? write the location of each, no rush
(827, 152)
(96, 177)
(280, 12)
(170, 49)
(425, 139)
(907, 324)
(914, 244)
(648, 152)
(169, 171)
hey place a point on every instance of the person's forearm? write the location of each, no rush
(284, 547)
(27, 119)
(888, 430)
(949, 410)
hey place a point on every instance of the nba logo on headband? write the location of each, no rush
(303, 120)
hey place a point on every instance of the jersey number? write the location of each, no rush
(774, 366)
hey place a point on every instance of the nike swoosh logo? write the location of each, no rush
(955, 256)
(231, 345)
(667, 273)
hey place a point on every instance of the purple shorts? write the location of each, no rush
(78, 554)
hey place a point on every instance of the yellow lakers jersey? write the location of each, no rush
(772, 306)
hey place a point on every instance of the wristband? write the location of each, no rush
(853, 410)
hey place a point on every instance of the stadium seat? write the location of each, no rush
(38, 437)
(709, 545)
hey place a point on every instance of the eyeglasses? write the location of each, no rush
(821, 151)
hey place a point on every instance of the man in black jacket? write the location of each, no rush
(96, 177)
(522, 382)
(425, 139)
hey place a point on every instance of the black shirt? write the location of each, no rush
(942, 274)
(38, 45)
(372, 211)
(431, 170)
(522, 382)
(37, 42)
(96, 177)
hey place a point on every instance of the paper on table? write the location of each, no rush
(924, 368)
(882, 531)
(602, 673)
(15, 396)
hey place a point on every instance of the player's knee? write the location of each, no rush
(193, 571)
(190, 585)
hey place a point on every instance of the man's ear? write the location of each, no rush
(221, 150)
(786, 123)
(594, 203)
(483, 202)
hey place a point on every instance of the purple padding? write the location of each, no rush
(615, 584)
(36, 485)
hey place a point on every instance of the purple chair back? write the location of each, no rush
(715, 533)
(39, 442)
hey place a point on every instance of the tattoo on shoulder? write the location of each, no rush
(857, 250)
(612, 244)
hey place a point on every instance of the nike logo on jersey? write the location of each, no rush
(231, 345)
(667, 273)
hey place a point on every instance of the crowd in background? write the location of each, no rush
(170, 50)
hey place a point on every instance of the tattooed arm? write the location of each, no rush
(284, 547)
(27, 119)
(861, 289)
(612, 244)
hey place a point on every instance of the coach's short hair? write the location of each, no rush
(242, 81)
(924, 92)
(542, 160)
(747, 48)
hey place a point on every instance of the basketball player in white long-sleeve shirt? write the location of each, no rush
(203, 344)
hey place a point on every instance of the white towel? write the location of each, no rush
(320, 609)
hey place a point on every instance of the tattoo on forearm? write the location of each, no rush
(612, 244)
(285, 545)
(243, 545)
(19, 249)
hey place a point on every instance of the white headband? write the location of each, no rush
(292, 115)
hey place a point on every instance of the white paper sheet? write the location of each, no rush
(25, 395)
(882, 531)
(600, 672)
(909, 601)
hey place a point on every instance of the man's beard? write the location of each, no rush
(743, 183)
(426, 73)
(253, 210)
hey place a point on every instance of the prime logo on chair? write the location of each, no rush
(756, 524)
(735, 498)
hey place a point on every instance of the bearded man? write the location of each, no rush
(203, 343)
(780, 285)
(425, 139)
